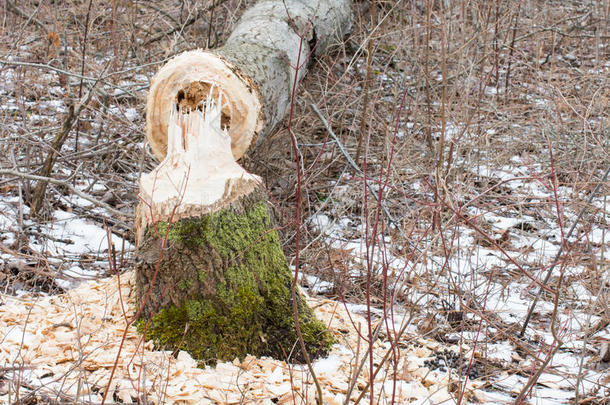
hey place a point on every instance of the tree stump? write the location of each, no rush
(211, 276)
(210, 271)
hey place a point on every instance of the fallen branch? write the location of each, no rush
(352, 162)
(41, 186)
(79, 193)
(60, 138)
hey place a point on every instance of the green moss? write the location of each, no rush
(316, 335)
(187, 231)
(199, 310)
(185, 284)
(247, 307)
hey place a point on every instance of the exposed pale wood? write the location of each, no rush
(198, 175)
(242, 104)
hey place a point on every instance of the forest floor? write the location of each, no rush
(480, 134)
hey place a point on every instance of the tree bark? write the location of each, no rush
(255, 69)
(222, 288)
(211, 276)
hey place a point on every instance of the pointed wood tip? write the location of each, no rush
(185, 81)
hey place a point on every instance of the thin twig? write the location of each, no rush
(82, 70)
(558, 342)
(357, 371)
(81, 77)
(428, 128)
(17, 11)
(188, 22)
(78, 76)
(351, 161)
(207, 41)
(299, 222)
(365, 102)
(52, 180)
(560, 252)
(511, 50)
(151, 5)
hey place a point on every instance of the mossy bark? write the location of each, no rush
(222, 287)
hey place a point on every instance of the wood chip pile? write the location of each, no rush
(64, 348)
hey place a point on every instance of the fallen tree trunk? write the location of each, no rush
(211, 276)
(255, 69)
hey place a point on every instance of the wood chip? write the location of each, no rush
(70, 343)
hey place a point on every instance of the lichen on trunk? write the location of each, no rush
(223, 287)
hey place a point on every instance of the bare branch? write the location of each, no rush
(79, 193)
(17, 11)
(560, 251)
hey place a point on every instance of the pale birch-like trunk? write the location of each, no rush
(255, 69)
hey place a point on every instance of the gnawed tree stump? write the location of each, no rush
(211, 274)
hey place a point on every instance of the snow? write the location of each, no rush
(565, 362)
(511, 381)
(78, 272)
(451, 131)
(57, 105)
(67, 237)
(132, 114)
(500, 351)
(362, 309)
(71, 234)
(504, 223)
(329, 365)
(599, 236)
(317, 285)
(321, 222)
(534, 239)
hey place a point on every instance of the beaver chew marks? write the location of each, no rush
(182, 84)
(194, 95)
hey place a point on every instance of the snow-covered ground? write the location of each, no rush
(458, 296)
(497, 259)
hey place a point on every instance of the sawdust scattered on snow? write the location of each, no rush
(64, 347)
